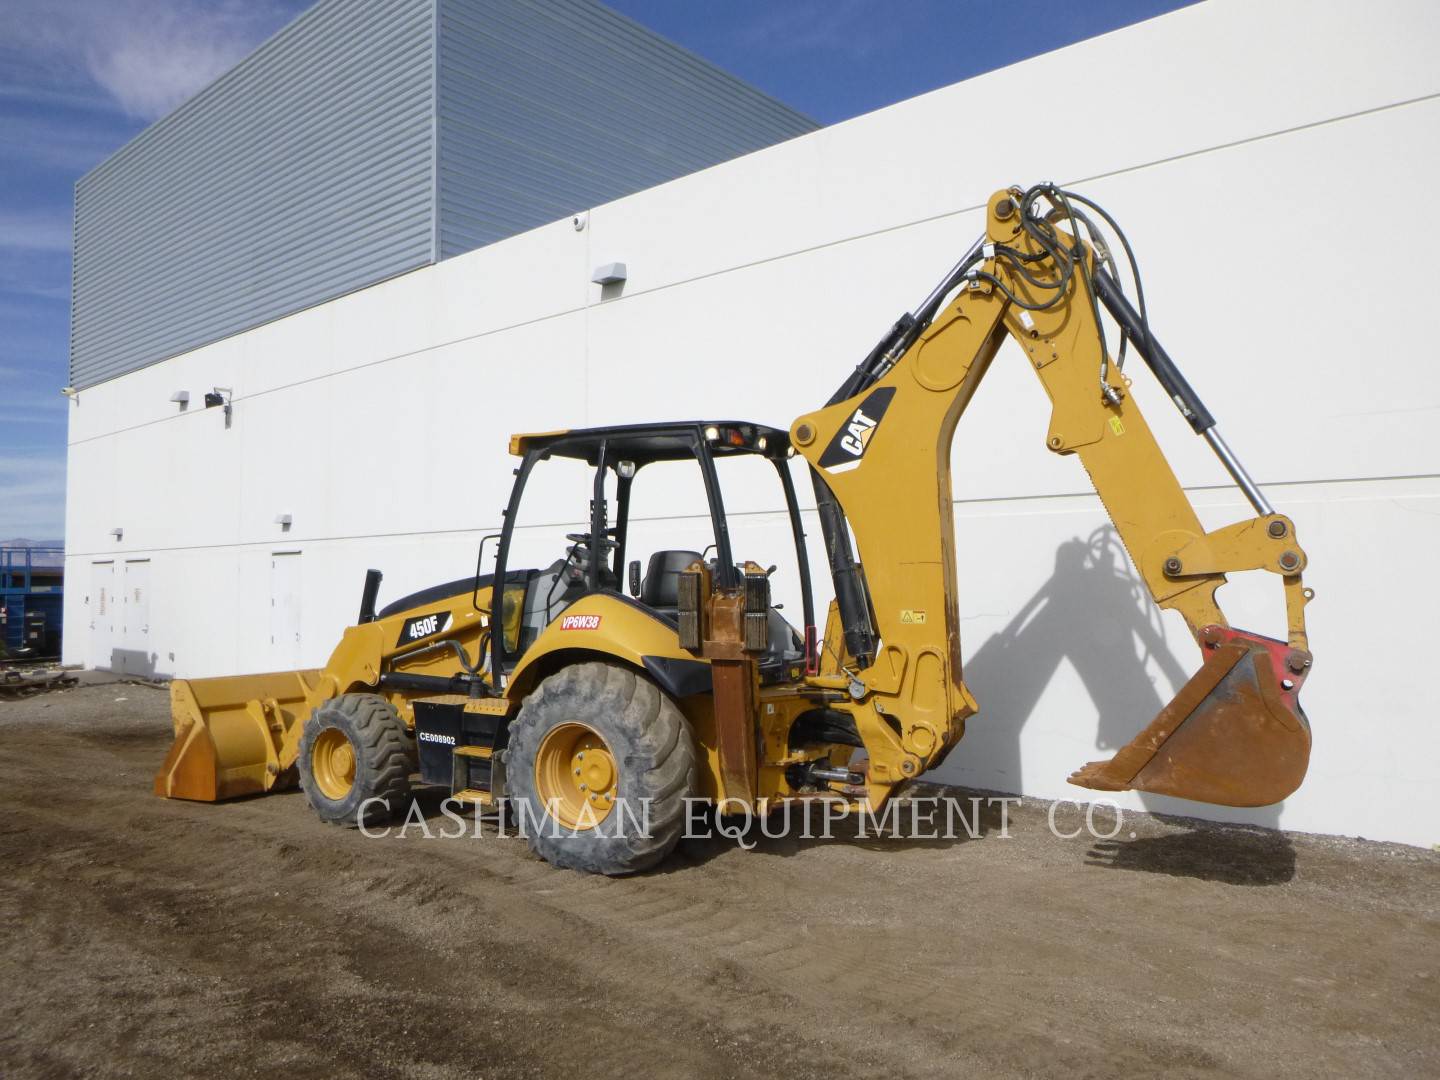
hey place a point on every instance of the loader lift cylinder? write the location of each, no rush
(851, 595)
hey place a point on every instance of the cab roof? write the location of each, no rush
(644, 443)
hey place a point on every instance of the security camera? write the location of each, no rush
(221, 395)
(69, 391)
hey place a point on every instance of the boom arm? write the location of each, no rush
(1235, 734)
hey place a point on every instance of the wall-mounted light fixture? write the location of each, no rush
(283, 520)
(221, 395)
(181, 398)
(609, 274)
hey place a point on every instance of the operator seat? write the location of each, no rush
(661, 587)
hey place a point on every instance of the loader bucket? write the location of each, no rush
(229, 734)
(1234, 735)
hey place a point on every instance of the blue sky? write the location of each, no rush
(80, 77)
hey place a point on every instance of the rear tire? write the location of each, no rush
(646, 759)
(355, 750)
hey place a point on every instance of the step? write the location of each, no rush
(474, 751)
(479, 798)
(484, 706)
(489, 706)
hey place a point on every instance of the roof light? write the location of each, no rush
(760, 443)
(712, 433)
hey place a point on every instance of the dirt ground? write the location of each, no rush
(142, 936)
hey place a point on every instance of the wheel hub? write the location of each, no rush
(332, 763)
(575, 776)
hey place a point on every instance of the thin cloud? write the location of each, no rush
(52, 97)
(59, 294)
(33, 398)
(32, 495)
(31, 466)
(150, 72)
(10, 416)
(146, 55)
(34, 233)
(73, 145)
(36, 274)
(846, 27)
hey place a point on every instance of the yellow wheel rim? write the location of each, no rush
(332, 763)
(575, 776)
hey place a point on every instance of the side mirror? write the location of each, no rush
(480, 558)
(635, 578)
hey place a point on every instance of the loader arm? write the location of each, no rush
(880, 451)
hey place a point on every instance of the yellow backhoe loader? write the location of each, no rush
(553, 690)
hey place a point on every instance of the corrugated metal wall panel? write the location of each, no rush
(304, 173)
(547, 107)
(313, 168)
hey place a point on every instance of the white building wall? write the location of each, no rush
(1270, 164)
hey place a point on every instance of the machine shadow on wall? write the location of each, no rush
(1095, 613)
(142, 665)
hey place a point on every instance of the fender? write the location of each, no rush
(607, 624)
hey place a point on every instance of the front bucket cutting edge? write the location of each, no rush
(230, 734)
(1235, 734)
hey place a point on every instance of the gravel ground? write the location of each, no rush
(144, 937)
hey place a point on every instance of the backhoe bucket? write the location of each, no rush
(1234, 735)
(229, 733)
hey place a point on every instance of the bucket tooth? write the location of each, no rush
(1234, 735)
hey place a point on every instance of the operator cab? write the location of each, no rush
(593, 557)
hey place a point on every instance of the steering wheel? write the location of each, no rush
(585, 538)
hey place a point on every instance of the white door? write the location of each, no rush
(102, 614)
(134, 653)
(285, 610)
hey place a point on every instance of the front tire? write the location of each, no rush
(600, 765)
(355, 750)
